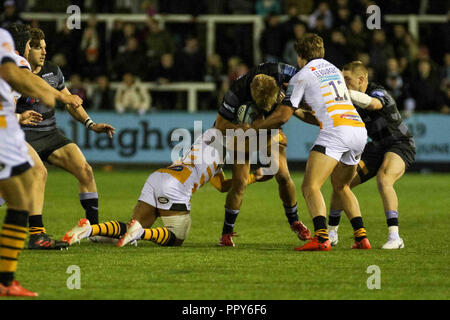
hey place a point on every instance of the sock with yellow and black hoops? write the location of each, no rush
(111, 229)
(358, 228)
(320, 228)
(35, 225)
(291, 213)
(89, 202)
(12, 240)
(161, 236)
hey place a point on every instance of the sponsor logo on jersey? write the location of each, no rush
(163, 200)
(378, 93)
(7, 46)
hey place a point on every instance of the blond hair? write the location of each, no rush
(264, 90)
(356, 67)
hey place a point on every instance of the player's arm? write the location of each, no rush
(365, 101)
(221, 183)
(223, 124)
(306, 116)
(81, 116)
(280, 116)
(28, 84)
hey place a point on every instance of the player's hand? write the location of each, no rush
(260, 177)
(72, 100)
(257, 123)
(243, 126)
(103, 127)
(30, 117)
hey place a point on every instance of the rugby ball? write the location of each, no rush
(247, 113)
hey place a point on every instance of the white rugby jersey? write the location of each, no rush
(7, 102)
(321, 86)
(21, 62)
(201, 163)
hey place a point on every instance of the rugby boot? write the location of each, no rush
(81, 231)
(134, 233)
(42, 241)
(315, 245)
(226, 240)
(15, 290)
(363, 244)
(301, 231)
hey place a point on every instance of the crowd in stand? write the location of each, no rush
(417, 73)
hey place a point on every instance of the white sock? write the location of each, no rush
(393, 232)
(333, 228)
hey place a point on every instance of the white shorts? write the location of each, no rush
(14, 154)
(343, 143)
(163, 191)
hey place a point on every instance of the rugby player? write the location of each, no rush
(16, 178)
(340, 142)
(167, 194)
(261, 86)
(53, 146)
(389, 153)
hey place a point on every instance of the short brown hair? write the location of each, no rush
(36, 35)
(310, 47)
(264, 91)
(356, 67)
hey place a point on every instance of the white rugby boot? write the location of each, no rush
(81, 231)
(134, 233)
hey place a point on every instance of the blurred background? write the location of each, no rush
(162, 64)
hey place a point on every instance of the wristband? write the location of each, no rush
(88, 123)
(361, 99)
(18, 117)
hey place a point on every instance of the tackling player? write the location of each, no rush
(388, 154)
(261, 86)
(16, 179)
(167, 194)
(339, 145)
(52, 145)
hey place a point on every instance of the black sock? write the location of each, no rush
(334, 217)
(291, 213)
(35, 224)
(230, 219)
(358, 228)
(320, 228)
(89, 202)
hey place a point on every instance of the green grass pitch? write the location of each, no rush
(263, 265)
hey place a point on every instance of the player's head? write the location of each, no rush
(21, 36)
(356, 76)
(264, 91)
(38, 47)
(309, 47)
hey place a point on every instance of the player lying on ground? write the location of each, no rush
(166, 194)
(388, 154)
(340, 142)
(54, 147)
(16, 178)
(261, 87)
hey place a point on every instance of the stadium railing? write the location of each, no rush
(191, 88)
(412, 20)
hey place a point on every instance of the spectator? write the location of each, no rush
(343, 19)
(395, 84)
(266, 7)
(215, 73)
(289, 25)
(132, 96)
(157, 41)
(102, 97)
(67, 43)
(445, 103)
(425, 88)
(130, 61)
(166, 72)
(60, 60)
(92, 66)
(290, 54)
(357, 36)
(10, 14)
(302, 6)
(336, 50)
(90, 40)
(398, 40)
(117, 38)
(191, 61)
(324, 13)
(76, 87)
(380, 52)
(445, 71)
(271, 41)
